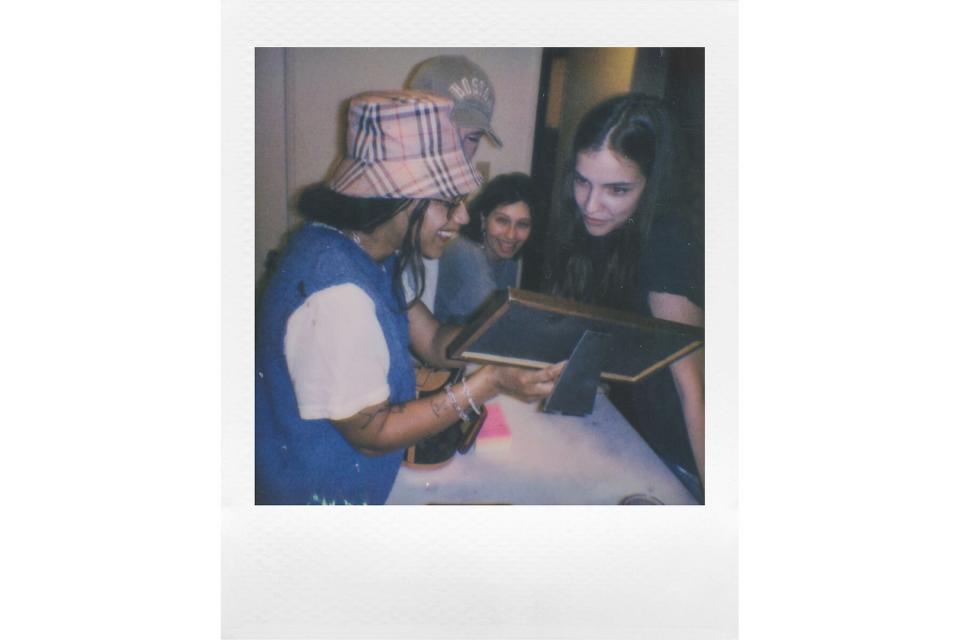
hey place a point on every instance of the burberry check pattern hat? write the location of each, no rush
(402, 144)
(464, 82)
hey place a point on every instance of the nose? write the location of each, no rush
(511, 234)
(592, 202)
(460, 214)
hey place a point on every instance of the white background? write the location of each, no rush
(111, 328)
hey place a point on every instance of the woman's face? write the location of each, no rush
(607, 188)
(440, 226)
(506, 228)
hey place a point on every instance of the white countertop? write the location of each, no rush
(550, 459)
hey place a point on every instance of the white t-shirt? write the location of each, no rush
(336, 354)
(431, 269)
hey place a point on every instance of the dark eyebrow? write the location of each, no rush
(577, 174)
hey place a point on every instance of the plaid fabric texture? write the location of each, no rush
(402, 144)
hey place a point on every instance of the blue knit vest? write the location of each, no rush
(308, 461)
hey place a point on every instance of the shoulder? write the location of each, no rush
(313, 245)
(326, 306)
(672, 260)
(312, 233)
(332, 257)
(670, 234)
(339, 310)
(461, 252)
(331, 306)
(462, 246)
(346, 296)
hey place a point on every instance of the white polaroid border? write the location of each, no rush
(479, 572)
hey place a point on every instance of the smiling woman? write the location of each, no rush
(441, 224)
(335, 392)
(487, 259)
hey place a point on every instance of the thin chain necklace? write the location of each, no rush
(356, 239)
(353, 235)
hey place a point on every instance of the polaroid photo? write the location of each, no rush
(524, 532)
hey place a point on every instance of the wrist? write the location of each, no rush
(484, 384)
(452, 397)
(470, 399)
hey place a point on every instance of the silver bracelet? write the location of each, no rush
(473, 405)
(449, 389)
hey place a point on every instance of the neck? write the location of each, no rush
(386, 239)
(375, 245)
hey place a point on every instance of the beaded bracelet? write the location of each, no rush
(453, 399)
(473, 405)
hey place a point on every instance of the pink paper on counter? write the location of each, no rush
(495, 427)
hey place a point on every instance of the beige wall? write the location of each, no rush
(270, 153)
(307, 89)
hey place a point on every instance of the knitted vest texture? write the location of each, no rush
(308, 461)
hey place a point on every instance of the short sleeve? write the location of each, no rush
(431, 268)
(673, 260)
(336, 354)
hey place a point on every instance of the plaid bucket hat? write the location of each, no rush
(402, 144)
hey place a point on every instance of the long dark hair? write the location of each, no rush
(605, 270)
(320, 203)
(507, 188)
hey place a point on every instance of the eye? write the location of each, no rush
(619, 191)
(452, 205)
(579, 180)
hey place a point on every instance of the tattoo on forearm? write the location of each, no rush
(438, 404)
(395, 408)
